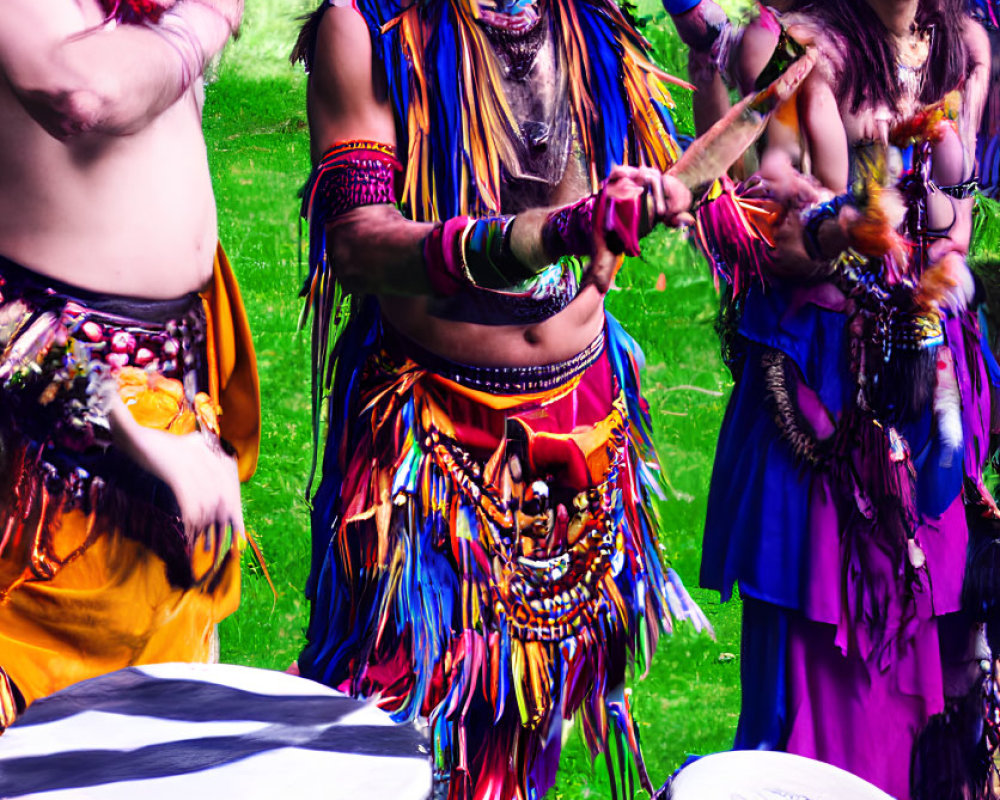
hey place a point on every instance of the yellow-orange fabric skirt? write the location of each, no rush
(109, 608)
(92, 579)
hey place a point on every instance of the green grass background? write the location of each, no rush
(258, 147)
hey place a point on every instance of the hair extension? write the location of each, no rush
(305, 44)
(870, 75)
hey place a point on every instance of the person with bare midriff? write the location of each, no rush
(484, 540)
(120, 512)
(849, 474)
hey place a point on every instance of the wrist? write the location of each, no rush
(617, 217)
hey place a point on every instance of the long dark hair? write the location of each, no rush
(870, 74)
(305, 45)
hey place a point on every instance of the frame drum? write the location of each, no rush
(191, 731)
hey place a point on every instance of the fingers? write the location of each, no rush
(789, 188)
(206, 486)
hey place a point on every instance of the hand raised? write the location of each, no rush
(778, 180)
(667, 200)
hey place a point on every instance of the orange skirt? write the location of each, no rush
(95, 574)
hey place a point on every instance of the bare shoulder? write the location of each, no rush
(343, 66)
(346, 90)
(977, 40)
(342, 38)
(761, 36)
(756, 46)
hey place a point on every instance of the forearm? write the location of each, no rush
(372, 248)
(127, 435)
(117, 80)
(706, 30)
(711, 102)
(956, 236)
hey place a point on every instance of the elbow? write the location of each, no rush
(374, 250)
(78, 112)
(70, 110)
(345, 253)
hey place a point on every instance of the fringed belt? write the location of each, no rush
(498, 380)
(165, 336)
(61, 348)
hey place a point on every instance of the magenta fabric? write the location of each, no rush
(855, 715)
(847, 692)
(442, 257)
(943, 540)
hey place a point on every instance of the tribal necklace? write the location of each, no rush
(912, 54)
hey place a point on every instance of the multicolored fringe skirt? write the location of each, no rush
(95, 570)
(486, 555)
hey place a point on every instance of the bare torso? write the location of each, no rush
(132, 215)
(555, 339)
(365, 114)
(832, 133)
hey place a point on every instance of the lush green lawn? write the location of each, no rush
(258, 145)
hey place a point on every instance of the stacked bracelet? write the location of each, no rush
(472, 252)
(486, 255)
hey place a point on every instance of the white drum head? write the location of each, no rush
(191, 731)
(765, 775)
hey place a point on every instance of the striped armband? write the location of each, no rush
(349, 175)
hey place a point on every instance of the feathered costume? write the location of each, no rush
(984, 256)
(96, 573)
(849, 458)
(484, 550)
